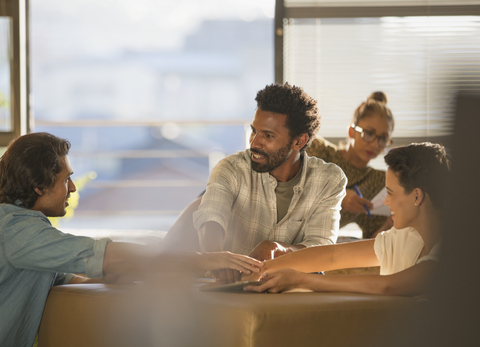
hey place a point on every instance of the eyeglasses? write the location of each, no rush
(370, 136)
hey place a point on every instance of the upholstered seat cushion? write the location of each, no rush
(142, 315)
(298, 319)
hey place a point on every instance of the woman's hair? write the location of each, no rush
(376, 104)
(301, 109)
(421, 165)
(31, 161)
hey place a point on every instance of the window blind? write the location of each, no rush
(368, 3)
(418, 61)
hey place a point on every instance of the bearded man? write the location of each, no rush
(272, 199)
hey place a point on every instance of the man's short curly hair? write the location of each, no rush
(301, 109)
(31, 161)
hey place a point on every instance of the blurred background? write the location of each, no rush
(152, 94)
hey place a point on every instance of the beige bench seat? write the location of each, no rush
(143, 315)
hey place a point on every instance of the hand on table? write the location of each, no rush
(227, 267)
(226, 276)
(227, 260)
(280, 281)
(254, 276)
(355, 204)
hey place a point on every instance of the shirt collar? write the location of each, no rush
(18, 202)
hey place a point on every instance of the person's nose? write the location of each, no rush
(71, 187)
(375, 143)
(255, 141)
(386, 202)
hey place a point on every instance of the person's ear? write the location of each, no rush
(300, 141)
(419, 196)
(38, 191)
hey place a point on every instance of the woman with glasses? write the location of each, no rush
(369, 134)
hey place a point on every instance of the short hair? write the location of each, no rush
(376, 104)
(421, 165)
(30, 161)
(301, 109)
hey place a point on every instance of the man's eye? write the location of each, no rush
(369, 133)
(268, 136)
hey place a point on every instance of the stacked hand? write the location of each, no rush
(280, 281)
(265, 250)
(227, 267)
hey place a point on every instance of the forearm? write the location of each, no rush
(216, 206)
(211, 236)
(325, 258)
(305, 260)
(366, 284)
(82, 280)
(123, 259)
(410, 282)
(126, 262)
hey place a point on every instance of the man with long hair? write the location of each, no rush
(35, 183)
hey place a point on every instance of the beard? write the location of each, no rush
(273, 159)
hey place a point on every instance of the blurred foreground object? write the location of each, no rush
(169, 311)
(451, 316)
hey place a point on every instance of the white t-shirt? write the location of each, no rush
(399, 249)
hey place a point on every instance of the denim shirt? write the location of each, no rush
(33, 257)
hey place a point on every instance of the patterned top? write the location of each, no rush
(243, 202)
(369, 181)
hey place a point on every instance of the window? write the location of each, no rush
(5, 78)
(14, 79)
(419, 53)
(150, 94)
